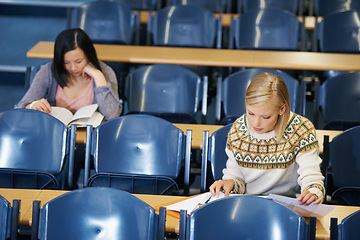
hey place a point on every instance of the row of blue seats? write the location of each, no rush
(180, 95)
(133, 153)
(191, 26)
(113, 214)
(317, 7)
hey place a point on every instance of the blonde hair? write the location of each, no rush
(267, 87)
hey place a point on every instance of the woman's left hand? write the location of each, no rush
(90, 72)
(306, 198)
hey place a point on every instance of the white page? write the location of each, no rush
(85, 112)
(95, 120)
(63, 114)
(313, 210)
(190, 203)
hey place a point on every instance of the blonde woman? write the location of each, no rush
(271, 149)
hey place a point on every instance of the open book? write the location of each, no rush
(313, 210)
(84, 116)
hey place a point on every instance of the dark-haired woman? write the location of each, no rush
(75, 78)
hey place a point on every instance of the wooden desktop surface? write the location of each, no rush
(198, 129)
(27, 196)
(215, 57)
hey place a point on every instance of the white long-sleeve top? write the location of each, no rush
(261, 165)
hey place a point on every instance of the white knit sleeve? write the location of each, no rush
(310, 177)
(233, 171)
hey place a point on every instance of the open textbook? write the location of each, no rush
(313, 210)
(84, 116)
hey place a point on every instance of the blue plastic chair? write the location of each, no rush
(243, 217)
(184, 26)
(107, 22)
(168, 91)
(293, 6)
(213, 153)
(139, 154)
(8, 223)
(98, 213)
(216, 6)
(327, 7)
(343, 111)
(267, 29)
(342, 173)
(339, 32)
(36, 150)
(348, 229)
(231, 93)
(146, 5)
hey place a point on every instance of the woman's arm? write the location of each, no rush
(310, 178)
(38, 89)
(106, 96)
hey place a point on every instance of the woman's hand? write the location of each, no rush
(222, 185)
(90, 72)
(306, 198)
(41, 105)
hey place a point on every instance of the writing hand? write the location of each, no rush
(222, 185)
(306, 198)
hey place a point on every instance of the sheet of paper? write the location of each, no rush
(190, 204)
(313, 210)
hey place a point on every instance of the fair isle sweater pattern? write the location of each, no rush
(299, 136)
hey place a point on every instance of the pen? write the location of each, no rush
(201, 204)
(208, 200)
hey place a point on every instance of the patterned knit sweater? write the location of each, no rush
(260, 164)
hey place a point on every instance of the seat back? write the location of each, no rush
(344, 158)
(267, 29)
(334, 114)
(184, 26)
(97, 213)
(140, 146)
(348, 228)
(5, 218)
(213, 152)
(34, 149)
(146, 5)
(339, 32)
(168, 91)
(327, 7)
(238, 217)
(289, 5)
(106, 22)
(233, 89)
(216, 6)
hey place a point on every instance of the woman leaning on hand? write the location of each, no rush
(74, 79)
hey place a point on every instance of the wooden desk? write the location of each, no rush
(172, 224)
(198, 129)
(215, 57)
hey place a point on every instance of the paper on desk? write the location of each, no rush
(190, 203)
(313, 210)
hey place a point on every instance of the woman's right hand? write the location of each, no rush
(41, 105)
(222, 185)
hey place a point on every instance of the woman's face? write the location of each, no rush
(262, 119)
(75, 61)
